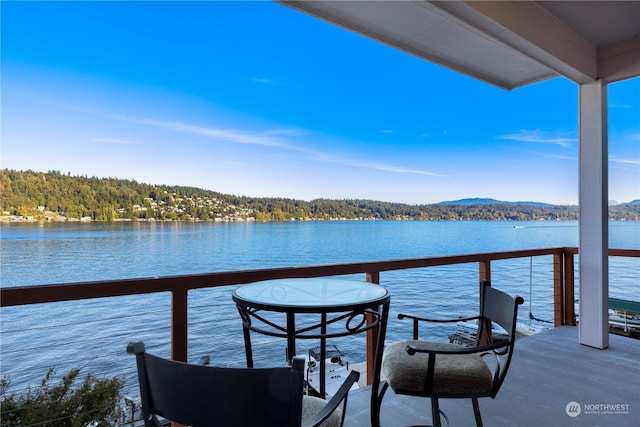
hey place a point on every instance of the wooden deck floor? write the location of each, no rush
(548, 371)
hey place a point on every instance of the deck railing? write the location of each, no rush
(180, 286)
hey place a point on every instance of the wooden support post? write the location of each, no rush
(484, 272)
(569, 290)
(179, 325)
(558, 290)
(179, 329)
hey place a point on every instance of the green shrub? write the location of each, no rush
(92, 403)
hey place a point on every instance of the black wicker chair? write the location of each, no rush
(450, 370)
(202, 396)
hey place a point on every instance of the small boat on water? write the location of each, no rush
(624, 317)
(625, 322)
(336, 373)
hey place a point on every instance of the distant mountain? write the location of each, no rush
(634, 202)
(481, 201)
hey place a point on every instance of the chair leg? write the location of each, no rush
(435, 412)
(476, 411)
(376, 403)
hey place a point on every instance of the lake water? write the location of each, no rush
(93, 333)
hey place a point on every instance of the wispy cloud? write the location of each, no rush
(276, 138)
(625, 161)
(114, 141)
(269, 82)
(543, 153)
(261, 81)
(286, 132)
(229, 135)
(281, 138)
(562, 139)
(622, 106)
(411, 171)
(346, 161)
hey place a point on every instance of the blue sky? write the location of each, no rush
(256, 99)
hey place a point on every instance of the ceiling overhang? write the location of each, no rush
(506, 43)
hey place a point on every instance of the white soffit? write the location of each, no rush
(505, 43)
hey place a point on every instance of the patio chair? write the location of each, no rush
(448, 370)
(198, 395)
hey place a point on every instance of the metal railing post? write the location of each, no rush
(372, 334)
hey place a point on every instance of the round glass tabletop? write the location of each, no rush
(310, 294)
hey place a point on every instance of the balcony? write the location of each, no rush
(175, 316)
(549, 371)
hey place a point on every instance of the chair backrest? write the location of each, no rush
(198, 395)
(502, 309)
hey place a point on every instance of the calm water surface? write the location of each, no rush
(42, 336)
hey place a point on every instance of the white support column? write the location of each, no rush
(593, 199)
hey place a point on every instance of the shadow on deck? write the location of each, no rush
(548, 371)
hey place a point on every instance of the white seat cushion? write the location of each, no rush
(311, 405)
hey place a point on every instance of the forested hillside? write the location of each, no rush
(53, 196)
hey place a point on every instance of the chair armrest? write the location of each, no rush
(417, 319)
(426, 319)
(135, 347)
(413, 349)
(334, 402)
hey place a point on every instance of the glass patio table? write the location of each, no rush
(344, 307)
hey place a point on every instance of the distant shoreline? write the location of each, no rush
(30, 196)
(13, 219)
